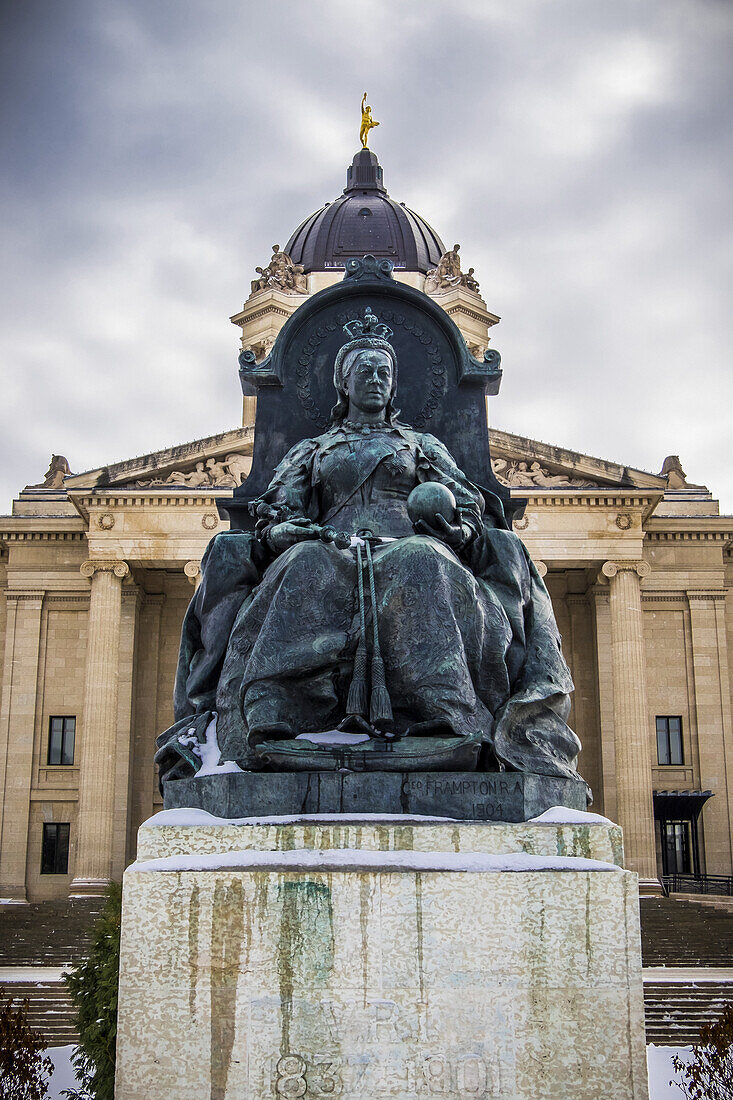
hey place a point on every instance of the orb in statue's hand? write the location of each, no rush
(429, 500)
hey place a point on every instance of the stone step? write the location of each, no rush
(676, 932)
(675, 1011)
(51, 933)
(50, 1010)
(722, 902)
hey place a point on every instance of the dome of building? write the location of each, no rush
(365, 220)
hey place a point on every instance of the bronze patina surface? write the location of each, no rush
(338, 629)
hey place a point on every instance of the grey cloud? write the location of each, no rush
(581, 153)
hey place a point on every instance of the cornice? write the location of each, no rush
(80, 598)
(697, 594)
(690, 529)
(34, 595)
(663, 597)
(576, 599)
(689, 536)
(42, 536)
(596, 497)
(245, 318)
(162, 498)
(483, 318)
(87, 502)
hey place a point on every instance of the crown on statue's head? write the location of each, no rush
(370, 326)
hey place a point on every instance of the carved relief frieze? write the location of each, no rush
(206, 473)
(511, 472)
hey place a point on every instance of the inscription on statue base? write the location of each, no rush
(466, 796)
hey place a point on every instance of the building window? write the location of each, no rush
(61, 737)
(55, 849)
(669, 740)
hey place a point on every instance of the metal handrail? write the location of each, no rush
(698, 884)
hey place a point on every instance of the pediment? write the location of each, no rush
(223, 461)
(216, 461)
(525, 463)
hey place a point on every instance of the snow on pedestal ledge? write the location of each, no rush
(556, 815)
(349, 859)
(188, 833)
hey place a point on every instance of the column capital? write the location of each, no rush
(541, 567)
(192, 569)
(611, 568)
(105, 565)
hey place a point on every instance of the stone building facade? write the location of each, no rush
(97, 568)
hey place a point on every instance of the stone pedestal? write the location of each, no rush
(363, 959)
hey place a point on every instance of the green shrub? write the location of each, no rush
(93, 986)
(709, 1074)
(24, 1071)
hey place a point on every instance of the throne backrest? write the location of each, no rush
(441, 388)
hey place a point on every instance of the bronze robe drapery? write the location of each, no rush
(469, 639)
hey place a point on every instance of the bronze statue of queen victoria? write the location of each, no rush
(377, 617)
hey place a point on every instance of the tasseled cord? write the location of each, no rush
(358, 702)
(380, 712)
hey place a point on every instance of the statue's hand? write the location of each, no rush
(455, 535)
(282, 536)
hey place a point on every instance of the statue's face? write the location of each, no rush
(369, 382)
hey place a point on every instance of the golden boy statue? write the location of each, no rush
(367, 122)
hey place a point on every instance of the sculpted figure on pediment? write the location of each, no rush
(675, 475)
(54, 477)
(510, 472)
(448, 274)
(196, 477)
(469, 281)
(281, 274)
(206, 474)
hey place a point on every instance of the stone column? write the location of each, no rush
(131, 601)
(145, 717)
(602, 617)
(714, 725)
(631, 716)
(580, 651)
(93, 857)
(17, 736)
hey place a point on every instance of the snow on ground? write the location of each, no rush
(348, 859)
(659, 1065)
(9, 974)
(63, 1076)
(688, 974)
(561, 815)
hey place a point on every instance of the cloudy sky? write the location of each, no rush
(579, 150)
